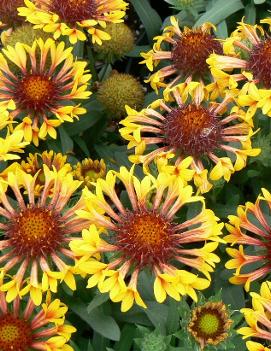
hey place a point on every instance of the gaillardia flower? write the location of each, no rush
(145, 236)
(44, 81)
(251, 229)
(34, 164)
(210, 323)
(89, 171)
(36, 233)
(23, 327)
(72, 17)
(187, 54)
(185, 124)
(247, 58)
(258, 320)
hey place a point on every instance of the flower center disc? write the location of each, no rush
(15, 334)
(209, 323)
(259, 62)
(9, 13)
(35, 92)
(191, 51)
(35, 231)
(192, 129)
(72, 11)
(145, 237)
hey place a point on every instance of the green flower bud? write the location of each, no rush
(153, 342)
(25, 34)
(122, 41)
(118, 90)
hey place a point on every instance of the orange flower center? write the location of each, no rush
(72, 11)
(37, 88)
(259, 62)
(9, 14)
(192, 129)
(35, 231)
(15, 334)
(145, 237)
(35, 92)
(191, 51)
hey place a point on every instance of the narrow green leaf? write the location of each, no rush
(250, 14)
(127, 338)
(149, 17)
(97, 301)
(221, 10)
(222, 30)
(66, 141)
(258, 2)
(103, 324)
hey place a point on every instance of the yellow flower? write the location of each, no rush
(88, 171)
(36, 234)
(258, 319)
(185, 53)
(44, 81)
(27, 328)
(246, 58)
(249, 229)
(145, 235)
(71, 18)
(186, 123)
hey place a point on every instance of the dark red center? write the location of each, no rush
(36, 92)
(72, 11)
(145, 237)
(15, 334)
(190, 53)
(193, 130)
(35, 231)
(259, 62)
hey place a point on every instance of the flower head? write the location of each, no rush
(24, 327)
(44, 81)
(145, 235)
(72, 17)
(210, 323)
(250, 229)
(258, 320)
(187, 54)
(89, 171)
(34, 164)
(246, 58)
(118, 90)
(36, 233)
(188, 124)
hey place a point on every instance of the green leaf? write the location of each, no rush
(222, 30)
(66, 141)
(258, 2)
(219, 11)
(250, 14)
(97, 301)
(103, 324)
(149, 17)
(157, 314)
(127, 338)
